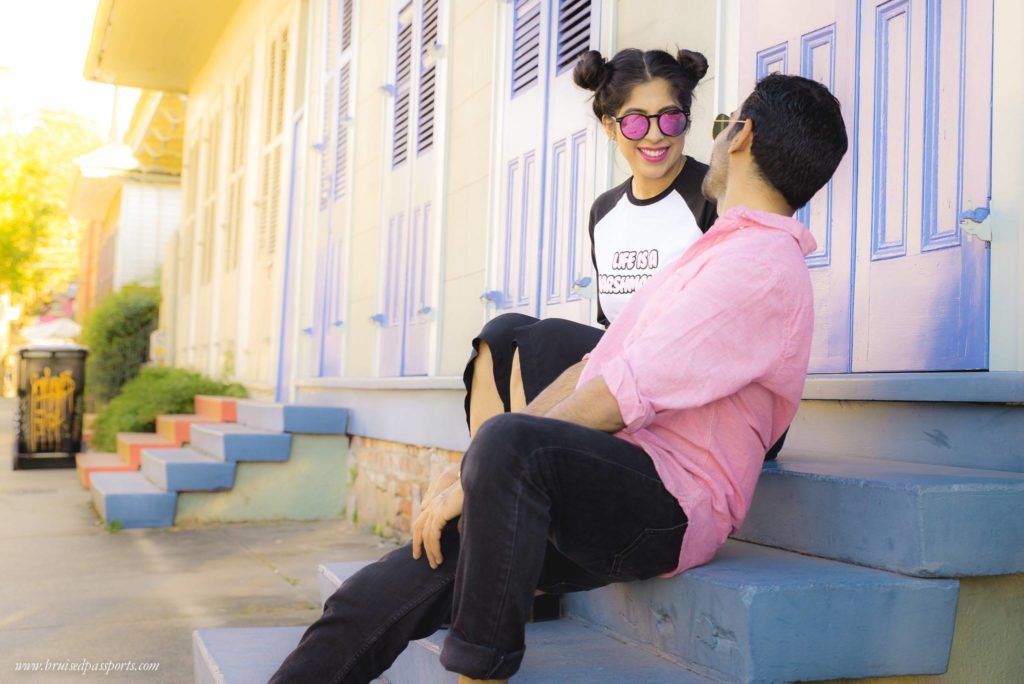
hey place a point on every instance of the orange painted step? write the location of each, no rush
(177, 427)
(99, 462)
(131, 444)
(218, 409)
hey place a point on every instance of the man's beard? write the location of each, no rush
(713, 184)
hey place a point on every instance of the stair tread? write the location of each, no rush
(99, 459)
(182, 455)
(917, 519)
(148, 438)
(292, 418)
(232, 429)
(566, 651)
(125, 483)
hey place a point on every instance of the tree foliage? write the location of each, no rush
(155, 391)
(36, 175)
(117, 334)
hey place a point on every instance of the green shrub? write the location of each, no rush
(155, 391)
(117, 334)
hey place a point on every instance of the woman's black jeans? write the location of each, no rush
(549, 505)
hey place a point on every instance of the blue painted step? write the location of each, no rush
(233, 442)
(757, 614)
(330, 576)
(911, 518)
(176, 470)
(132, 501)
(317, 420)
(241, 655)
(567, 652)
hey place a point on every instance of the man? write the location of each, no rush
(640, 460)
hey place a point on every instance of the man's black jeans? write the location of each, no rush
(548, 505)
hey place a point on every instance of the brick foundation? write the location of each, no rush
(388, 480)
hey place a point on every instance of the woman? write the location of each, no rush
(643, 101)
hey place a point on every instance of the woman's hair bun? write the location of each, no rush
(591, 71)
(694, 64)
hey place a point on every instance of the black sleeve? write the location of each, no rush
(689, 186)
(601, 318)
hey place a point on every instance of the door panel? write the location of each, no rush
(816, 40)
(921, 299)
(897, 286)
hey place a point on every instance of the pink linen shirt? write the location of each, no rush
(707, 364)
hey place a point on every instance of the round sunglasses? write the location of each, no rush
(635, 126)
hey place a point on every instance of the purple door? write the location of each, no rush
(898, 285)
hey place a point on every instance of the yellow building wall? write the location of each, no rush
(372, 71)
(988, 641)
(242, 45)
(471, 106)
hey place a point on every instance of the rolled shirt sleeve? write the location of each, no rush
(726, 328)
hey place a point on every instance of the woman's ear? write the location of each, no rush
(609, 126)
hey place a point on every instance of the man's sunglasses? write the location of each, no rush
(722, 122)
(635, 126)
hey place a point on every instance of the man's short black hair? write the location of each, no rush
(799, 135)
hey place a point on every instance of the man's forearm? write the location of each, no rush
(591, 405)
(557, 391)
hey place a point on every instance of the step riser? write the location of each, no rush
(942, 531)
(293, 419)
(731, 629)
(227, 446)
(176, 477)
(135, 511)
(985, 436)
(218, 409)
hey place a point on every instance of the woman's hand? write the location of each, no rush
(440, 483)
(426, 531)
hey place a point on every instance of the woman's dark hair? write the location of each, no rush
(613, 80)
(799, 134)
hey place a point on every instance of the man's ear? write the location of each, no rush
(743, 138)
(609, 126)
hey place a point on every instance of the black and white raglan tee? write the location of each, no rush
(631, 239)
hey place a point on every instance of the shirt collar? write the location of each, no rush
(740, 216)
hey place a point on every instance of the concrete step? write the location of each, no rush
(567, 651)
(564, 651)
(330, 576)
(175, 427)
(911, 518)
(216, 409)
(131, 501)
(314, 420)
(241, 655)
(93, 462)
(131, 444)
(758, 614)
(176, 470)
(232, 442)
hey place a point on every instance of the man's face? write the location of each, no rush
(717, 177)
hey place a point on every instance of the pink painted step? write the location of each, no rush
(131, 444)
(98, 462)
(216, 409)
(177, 427)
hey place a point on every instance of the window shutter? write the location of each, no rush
(325, 159)
(573, 32)
(428, 77)
(525, 45)
(346, 24)
(403, 74)
(341, 133)
(210, 209)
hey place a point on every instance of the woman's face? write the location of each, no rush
(656, 154)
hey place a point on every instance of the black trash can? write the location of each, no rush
(50, 380)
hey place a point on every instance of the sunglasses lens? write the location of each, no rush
(634, 126)
(721, 123)
(672, 123)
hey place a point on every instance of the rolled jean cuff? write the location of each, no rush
(479, 662)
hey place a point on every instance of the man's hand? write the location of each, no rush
(426, 531)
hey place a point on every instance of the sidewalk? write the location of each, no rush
(70, 590)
